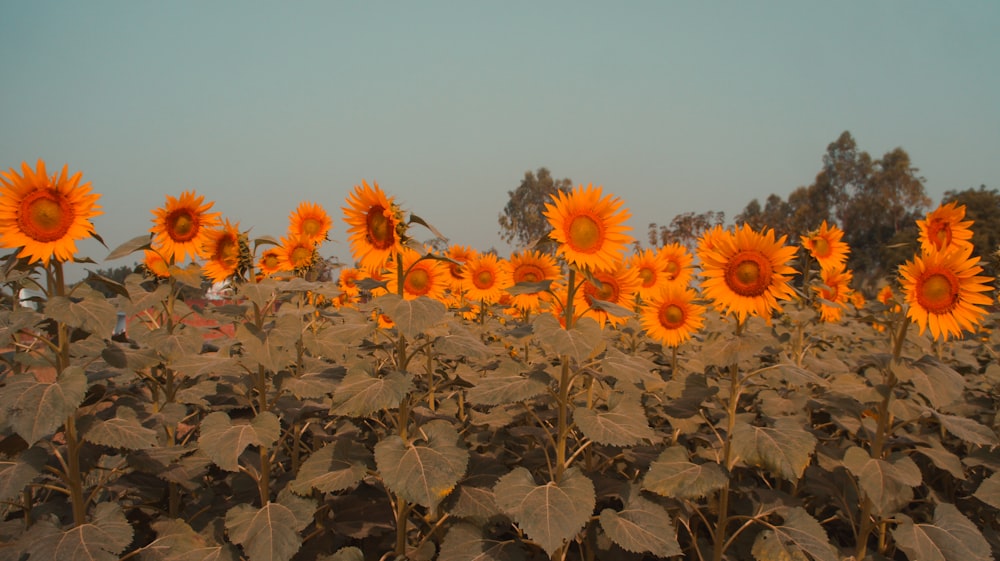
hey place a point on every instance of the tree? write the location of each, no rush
(982, 206)
(685, 228)
(522, 222)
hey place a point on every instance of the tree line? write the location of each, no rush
(876, 201)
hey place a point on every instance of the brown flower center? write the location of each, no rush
(45, 216)
(938, 293)
(585, 234)
(301, 256)
(607, 291)
(748, 273)
(484, 279)
(648, 277)
(311, 227)
(380, 230)
(528, 273)
(671, 316)
(672, 269)
(418, 282)
(821, 246)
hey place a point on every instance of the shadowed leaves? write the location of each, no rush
(549, 514)
(102, 539)
(466, 542)
(121, 431)
(641, 526)
(887, 483)
(424, 470)
(798, 537)
(223, 441)
(36, 409)
(784, 449)
(672, 475)
(949, 537)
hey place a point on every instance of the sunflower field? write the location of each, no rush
(577, 400)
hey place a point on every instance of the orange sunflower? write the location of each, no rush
(222, 250)
(459, 254)
(375, 225)
(422, 277)
(943, 228)
(486, 278)
(155, 264)
(44, 216)
(309, 221)
(588, 226)
(296, 253)
(617, 285)
(944, 291)
(885, 295)
(182, 226)
(531, 266)
(671, 316)
(270, 261)
(747, 272)
(835, 290)
(651, 266)
(826, 246)
(348, 279)
(678, 263)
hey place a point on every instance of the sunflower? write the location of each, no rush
(348, 279)
(155, 264)
(677, 262)
(943, 228)
(310, 222)
(652, 270)
(422, 277)
(747, 272)
(270, 261)
(944, 291)
(459, 254)
(375, 225)
(182, 226)
(835, 290)
(531, 266)
(826, 246)
(617, 285)
(710, 238)
(588, 226)
(296, 253)
(44, 216)
(486, 278)
(885, 295)
(222, 248)
(671, 316)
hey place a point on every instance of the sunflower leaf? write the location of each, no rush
(949, 537)
(137, 243)
(623, 424)
(223, 441)
(887, 483)
(122, 431)
(17, 473)
(641, 526)
(270, 533)
(423, 471)
(334, 467)
(360, 394)
(552, 513)
(36, 409)
(798, 536)
(580, 342)
(673, 475)
(412, 317)
(93, 313)
(466, 542)
(785, 449)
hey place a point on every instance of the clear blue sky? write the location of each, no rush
(673, 106)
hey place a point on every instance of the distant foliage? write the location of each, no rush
(522, 222)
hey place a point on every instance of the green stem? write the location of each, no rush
(735, 388)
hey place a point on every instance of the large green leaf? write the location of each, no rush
(360, 394)
(102, 539)
(552, 513)
(506, 384)
(223, 441)
(122, 431)
(183, 342)
(641, 526)
(989, 491)
(673, 475)
(800, 537)
(311, 385)
(270, 352)
(333, 467)
(36, 409)
(580, 342)
(462, 342)
(784, 449)
(967, 429)
(949, 537)
(93, 314)
(465, 542)
(270, 533)
(888, 483)
(426, 469)
(412, 317)
(15, 474)
(631, 369)
(623, 424)
(176, 541)
(938, 383)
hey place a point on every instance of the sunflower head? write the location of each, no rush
(155, 265)
(485, 278)
(297, 254)
(270, 261)
(834, 293)
(677, 264)
(376, 228)
(826, 246)
(422, 276)
(617, 285)
(531, 266)
(588, 226)
(227, 252)
(310, 222)
(43, 215)
(747, 272)
(182, 226)
(671, 316)
(944, 228)
(945, 292)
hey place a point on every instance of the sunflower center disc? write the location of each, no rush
(379, 228)
(940, 234)
(938, 293)
(647, 276)
(671, 316)
(311, 227)
(748, 274)
(672, 269)
(181, 226)
(821, 247)
(418, 281)
(483, 280)
(44, 217)
(301, 257)
(585, 234)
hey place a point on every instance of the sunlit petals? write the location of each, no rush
(44, 216)
(531, 266)
(834, 293)
(422, 277)
(154, 263)
(459, 254)
(671, 316)
(826, 246)
(374, 225)
(182, 226)
(222, 248)
(617, 286)
(310, 222)
(747, 272)
(944, 228)
(677, 264)
(485, 278)
(270, 261)
(588, 226)
(650, 266)
(945, 292)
